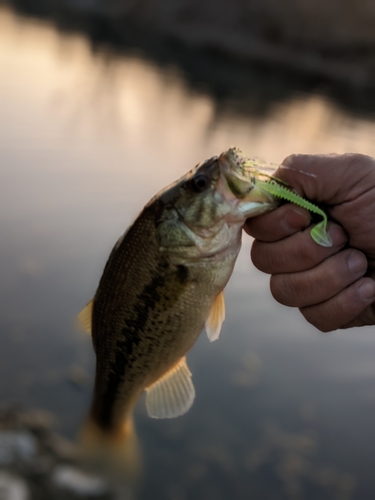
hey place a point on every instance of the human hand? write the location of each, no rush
(333, 287)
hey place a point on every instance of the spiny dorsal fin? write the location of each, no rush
(173, 394)
(215, 318)
(85, 317)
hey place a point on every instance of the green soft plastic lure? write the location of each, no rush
(279, 189)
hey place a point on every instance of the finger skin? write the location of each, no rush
(346, 183)
(331, 179)
(298, 252)
(316, 279)
(344, 309)
(321, 283)
(276, 225)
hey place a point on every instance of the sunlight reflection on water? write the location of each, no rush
(85, 140)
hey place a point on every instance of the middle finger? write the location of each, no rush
(295, 253)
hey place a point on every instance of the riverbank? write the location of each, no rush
(37, 463)
(333, 42)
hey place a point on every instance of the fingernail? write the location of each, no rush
(337, 234)
(367, 291)
(296, 219)
(357, 262)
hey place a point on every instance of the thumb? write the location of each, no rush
(346, 184)
(330, 179)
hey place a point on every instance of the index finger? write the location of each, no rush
(278, 224)
(331, 179)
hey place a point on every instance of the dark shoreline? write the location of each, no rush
(230, 68)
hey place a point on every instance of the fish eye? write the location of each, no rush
(200, 183)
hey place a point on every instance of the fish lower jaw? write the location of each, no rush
(255, 202)
(252, 209)
(246, 209)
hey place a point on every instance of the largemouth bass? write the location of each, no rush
(163, 283)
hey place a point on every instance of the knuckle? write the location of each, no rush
(258, 256)
(289, 160)
(313, 316)
(282, 289)
(276, 289)
(293, 159)
(265, 257)
(253, 227)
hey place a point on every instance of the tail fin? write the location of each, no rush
(113, 455)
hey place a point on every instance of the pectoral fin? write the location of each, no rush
(215, 318)
(173, 394)
(85, 317)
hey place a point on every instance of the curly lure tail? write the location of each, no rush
(319, 232)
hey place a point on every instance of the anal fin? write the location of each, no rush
(85, 317)
(173, 394)
(215, 318)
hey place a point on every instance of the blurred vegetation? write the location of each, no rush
(334, 39)
(237, 47)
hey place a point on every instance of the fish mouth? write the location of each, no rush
(239, 188)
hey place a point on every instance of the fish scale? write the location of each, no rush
(162, 283)
(126, 317)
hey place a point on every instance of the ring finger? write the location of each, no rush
(320, 283)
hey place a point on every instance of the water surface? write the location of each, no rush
(282, 412)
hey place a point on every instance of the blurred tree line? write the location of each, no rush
(334, 38)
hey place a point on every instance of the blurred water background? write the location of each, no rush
(89, 131)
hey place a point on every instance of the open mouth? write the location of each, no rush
(239, 185)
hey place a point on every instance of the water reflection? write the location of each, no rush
(85, 140)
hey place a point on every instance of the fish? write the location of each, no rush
(161, 286)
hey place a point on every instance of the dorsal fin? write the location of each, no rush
(216, 317)
(85, 317)
(173, 394)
